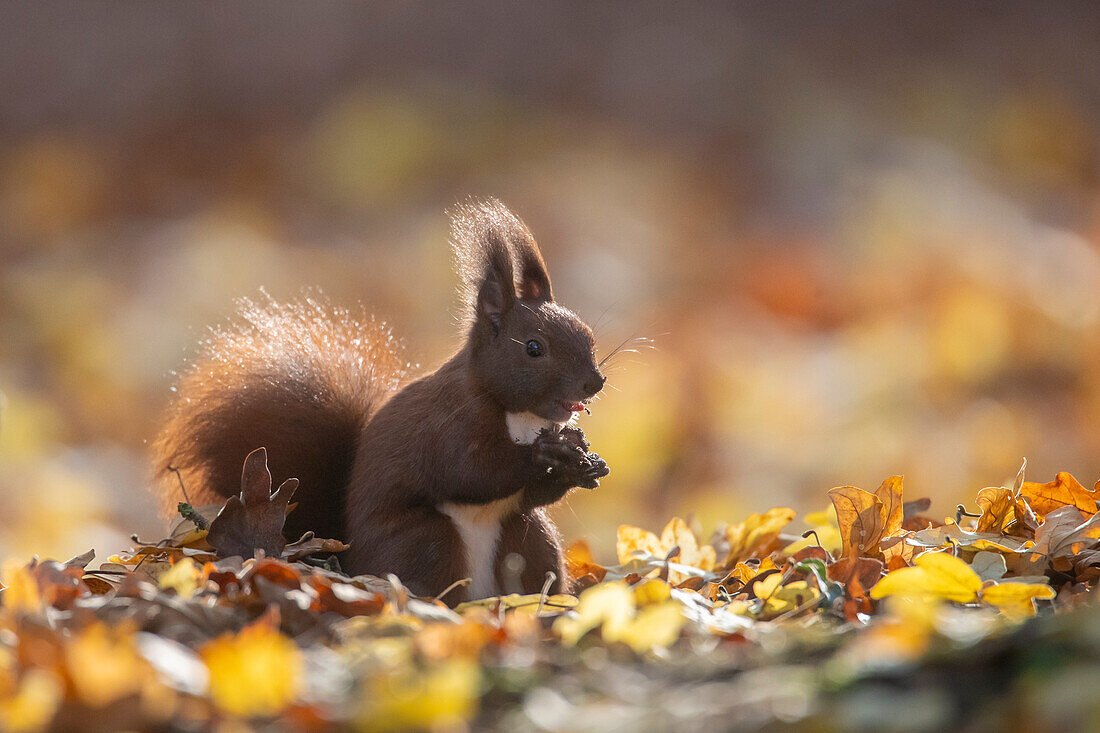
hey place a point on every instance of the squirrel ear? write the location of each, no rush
(534, 280)
(496, 295)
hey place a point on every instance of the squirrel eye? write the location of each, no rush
(534, 348)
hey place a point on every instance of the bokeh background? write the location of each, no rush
(864, 236)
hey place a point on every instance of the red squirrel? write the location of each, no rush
(443, 479)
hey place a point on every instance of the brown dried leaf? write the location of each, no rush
(856, 573)
(861, 516)
(254, 520)
(310, 545)
(889, 493)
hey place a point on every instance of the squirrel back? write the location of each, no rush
(300, 378)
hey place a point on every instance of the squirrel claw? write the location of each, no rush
(566, 459)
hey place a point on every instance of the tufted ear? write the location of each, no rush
(496, 294)
(534, 280)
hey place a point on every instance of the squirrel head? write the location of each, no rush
(526, 351)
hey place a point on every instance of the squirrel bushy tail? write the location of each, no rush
(301, 379)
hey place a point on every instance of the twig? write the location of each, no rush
(551, 576)
(179, 477)
(457, 584)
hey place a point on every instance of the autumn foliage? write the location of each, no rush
(187, 633)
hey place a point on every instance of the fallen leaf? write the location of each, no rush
(1016, 600)
(634, 543)
(253, 520)
(861, 516)
(1064, 490)
(677, 534)
(889, 493)
(864, 571)
(935, 574)
(104, 665)
(257, 672)
(756, 536)
(610, 605)
(184, 577)
(989, 565)
(308, 545)
(579, 562)
(20, 589)
(441, 698)
(656, 626)
(1065, 531)
(953, 534)
(33, 703)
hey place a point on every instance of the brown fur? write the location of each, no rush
(312, 387)
(300, 379)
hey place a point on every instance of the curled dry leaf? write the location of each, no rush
(309, 545)
(253, 520)
(865, 519)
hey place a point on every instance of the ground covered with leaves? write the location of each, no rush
(877, 617)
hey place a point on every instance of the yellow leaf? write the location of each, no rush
(610, 605)
(104, 665)
(20, 592)
(1015, 599)
(677, 534)
(934, 574)
(257, 672)
(789, 597)
(655, 626)
(652, 591)
(183, 576)
(998, 507)
(32, 705)
(444, 698)
(755, 536)
(767, 585)
(632, 541)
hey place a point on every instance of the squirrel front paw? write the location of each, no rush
(566, 458)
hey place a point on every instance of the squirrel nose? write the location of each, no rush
(595, 383)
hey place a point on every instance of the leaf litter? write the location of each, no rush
(876, 617)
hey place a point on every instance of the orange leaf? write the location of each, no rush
(755, 536)
(579, 562)
(1064, 490)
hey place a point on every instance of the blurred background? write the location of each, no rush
(865, 237)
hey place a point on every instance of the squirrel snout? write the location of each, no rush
(595, 383)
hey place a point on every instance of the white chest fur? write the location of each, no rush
(524, 427)
(479, 527)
